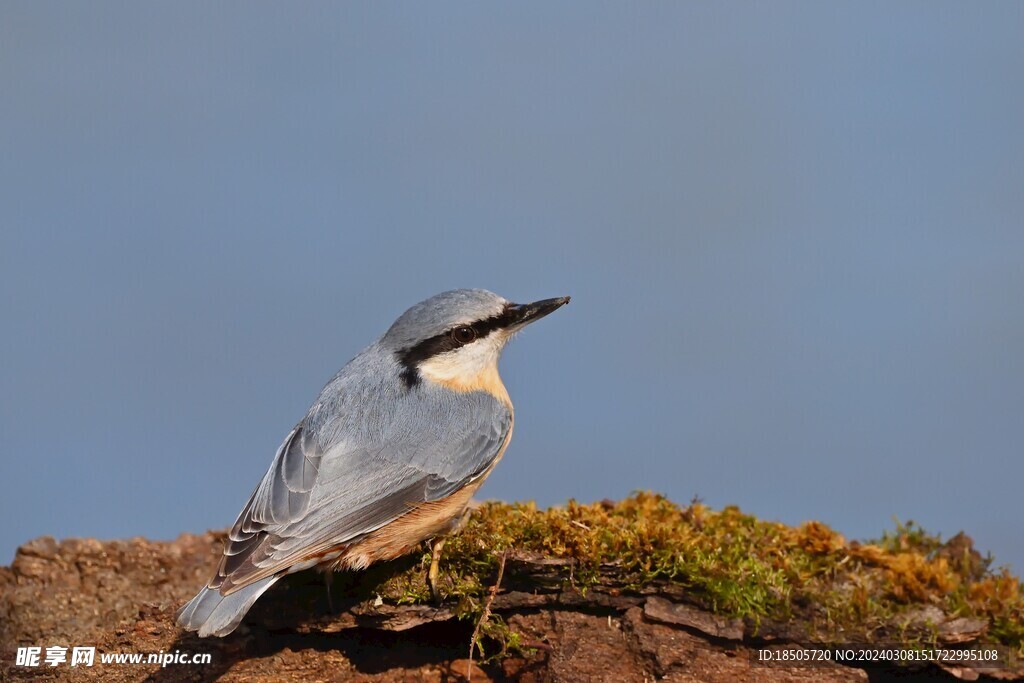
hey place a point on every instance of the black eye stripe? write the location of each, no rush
(411, 357)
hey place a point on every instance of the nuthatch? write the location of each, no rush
(387, 457)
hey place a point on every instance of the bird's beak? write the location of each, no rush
(521, 315)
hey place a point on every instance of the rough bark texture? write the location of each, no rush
(120, 597)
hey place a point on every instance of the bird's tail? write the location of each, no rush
(213, 614)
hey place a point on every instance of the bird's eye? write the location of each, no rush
(463, 335)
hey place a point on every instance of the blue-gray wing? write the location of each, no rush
(350, 468)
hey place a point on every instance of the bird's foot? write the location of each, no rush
(435, 570)
(328, 580)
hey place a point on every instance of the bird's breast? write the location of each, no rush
(487, 380)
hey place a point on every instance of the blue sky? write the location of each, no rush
(793, 234)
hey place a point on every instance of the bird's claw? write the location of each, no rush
(435, 570)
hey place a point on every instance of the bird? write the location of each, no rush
(388, 456)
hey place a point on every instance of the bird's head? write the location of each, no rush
(455, 338)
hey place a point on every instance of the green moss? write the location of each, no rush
(735, 565)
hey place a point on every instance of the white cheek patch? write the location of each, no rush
(465, 363)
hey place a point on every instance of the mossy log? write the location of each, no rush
(641, 589)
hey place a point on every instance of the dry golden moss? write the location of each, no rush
(736, 564)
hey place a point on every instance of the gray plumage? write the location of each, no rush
(370, 449)
(440, 313)
(212, 614)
